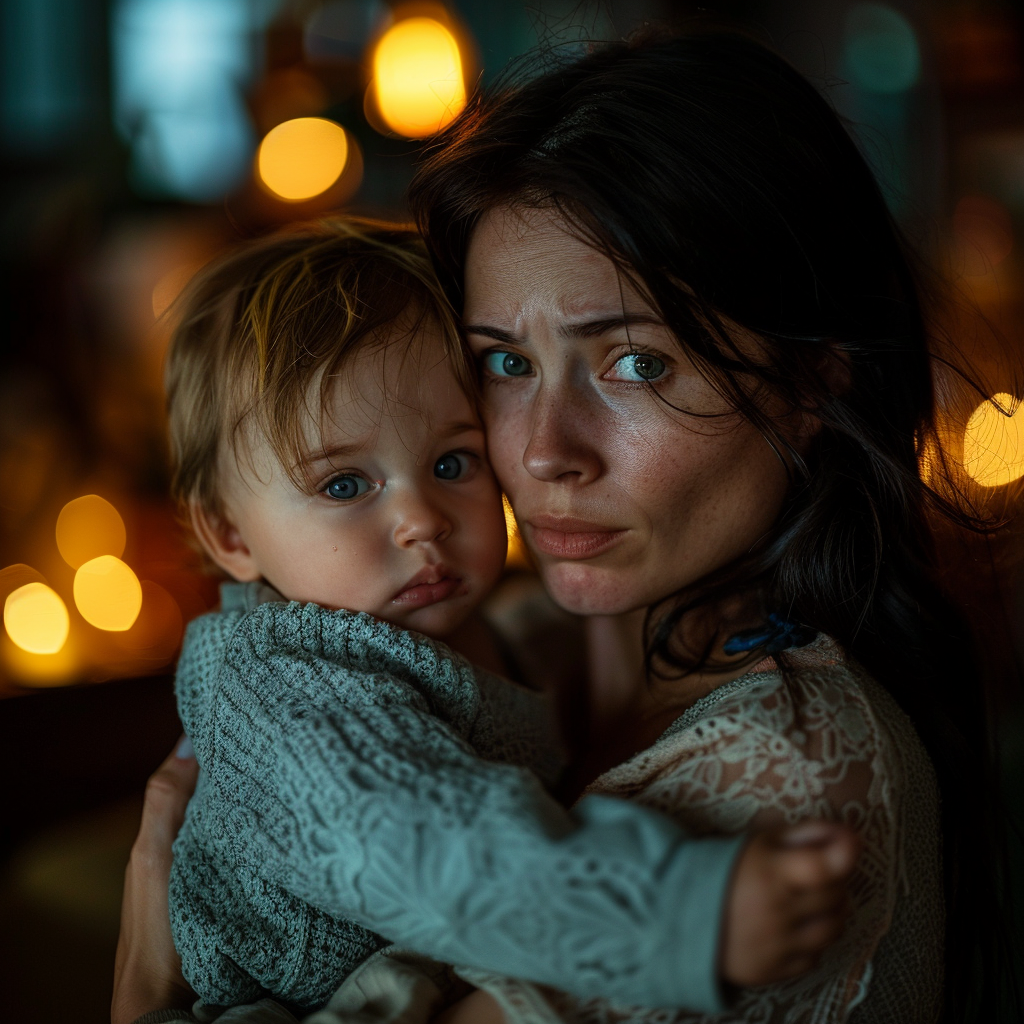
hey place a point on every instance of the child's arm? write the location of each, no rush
(372, 808)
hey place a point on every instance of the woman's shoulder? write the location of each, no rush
(816, 692)
(816, 738)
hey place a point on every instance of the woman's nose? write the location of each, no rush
(421, 522)
(564, 442)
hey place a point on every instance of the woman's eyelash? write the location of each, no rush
(648, 367)
(499, 364)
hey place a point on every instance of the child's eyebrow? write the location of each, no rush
(333, 453)
(458, 427)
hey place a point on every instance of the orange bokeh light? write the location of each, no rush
(302, 158)
(87, 528)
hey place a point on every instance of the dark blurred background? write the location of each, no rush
(138, 137)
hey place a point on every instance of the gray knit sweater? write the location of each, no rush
(361, 781)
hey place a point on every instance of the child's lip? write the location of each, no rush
(431, 584)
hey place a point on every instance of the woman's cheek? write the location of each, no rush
(506, 443)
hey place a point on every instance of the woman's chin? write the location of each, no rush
(587, 590)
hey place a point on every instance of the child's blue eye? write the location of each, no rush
(507, 364)
(347, 486)
(451, 466)
(639, 366)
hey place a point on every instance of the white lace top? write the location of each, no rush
(824, 741)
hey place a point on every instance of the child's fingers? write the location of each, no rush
(816, 856)
(816, 902)
(796, 964)
(809, 833)
(814, 934)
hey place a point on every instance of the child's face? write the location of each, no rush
(401, 518)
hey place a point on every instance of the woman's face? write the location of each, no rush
(621, 499)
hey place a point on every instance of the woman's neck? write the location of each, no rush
(627, 710)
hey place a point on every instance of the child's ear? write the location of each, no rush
(222, 541)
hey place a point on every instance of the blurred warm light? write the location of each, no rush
(169, 287)
(302, 158)
(14, 576)
(108, 593)
(156, 633)
(29, 669)
(881, 48)
(417, 77)
(983, 234)
(517, 557)
(87, 528)
(994, 443)
(36, 619)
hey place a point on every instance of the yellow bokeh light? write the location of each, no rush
(108, 593)
(87, 528)
(417, 77)
(36, 619)
(994, 443)
(302, 158)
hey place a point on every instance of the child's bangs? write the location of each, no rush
(307, 328)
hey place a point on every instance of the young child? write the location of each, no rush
(359, 779)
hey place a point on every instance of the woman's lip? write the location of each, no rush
(571, 538)
(419, 595)
(569, 524)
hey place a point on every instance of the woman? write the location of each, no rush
(706, 381)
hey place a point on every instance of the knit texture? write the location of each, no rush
(359, 781)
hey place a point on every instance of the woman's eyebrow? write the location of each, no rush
(591, 328)
(602, 325)
(491, 332)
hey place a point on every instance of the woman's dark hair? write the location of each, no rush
(728, 190)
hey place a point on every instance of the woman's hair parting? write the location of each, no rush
(727, 190)
(262, 332)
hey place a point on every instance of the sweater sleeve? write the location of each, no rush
(372, 807)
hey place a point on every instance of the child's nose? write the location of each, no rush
(421, 522)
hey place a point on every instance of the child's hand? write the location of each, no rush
(788, 902)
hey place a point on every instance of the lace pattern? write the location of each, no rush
(823, 740)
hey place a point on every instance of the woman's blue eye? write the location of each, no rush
(507, 364)
(348, 486)
(450, 466)
(640, 366)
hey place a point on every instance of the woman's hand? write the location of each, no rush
(147, 969)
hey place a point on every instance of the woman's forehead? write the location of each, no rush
(521, 258)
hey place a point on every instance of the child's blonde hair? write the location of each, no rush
(263, 330)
